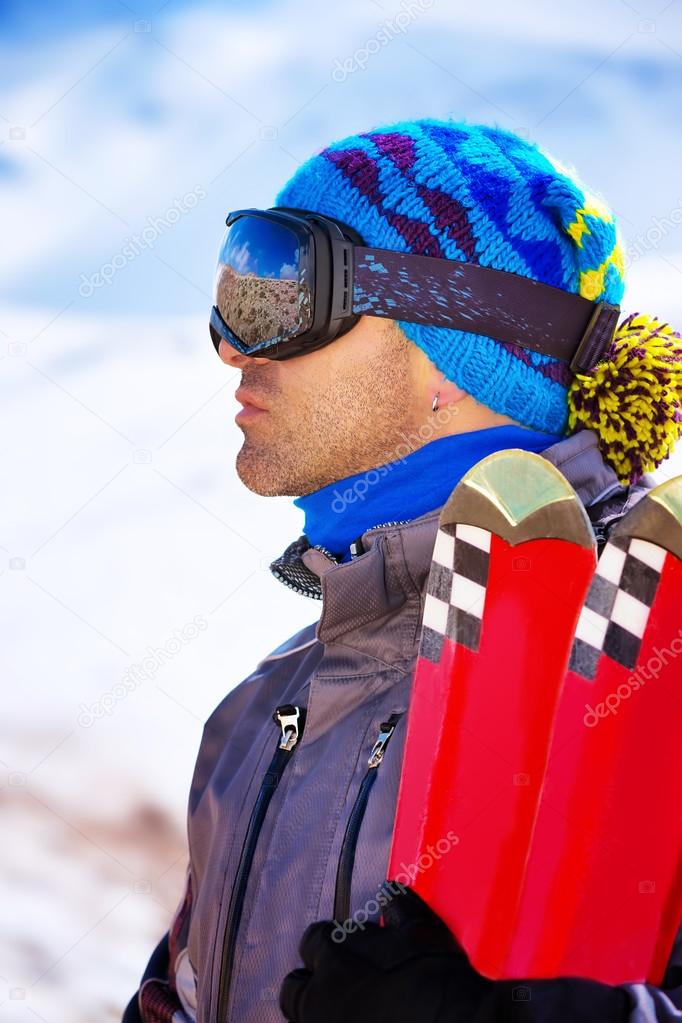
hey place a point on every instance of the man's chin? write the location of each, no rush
(257, 473)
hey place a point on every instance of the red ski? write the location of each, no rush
(555, 786)
(602, 895)
(512, 562)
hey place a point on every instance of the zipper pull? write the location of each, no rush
(288, 718)
(356, 548)
(387, 728)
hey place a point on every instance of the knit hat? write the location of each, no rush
(484, 195)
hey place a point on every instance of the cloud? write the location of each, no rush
(240, 259)
(288, 272)
(120, 122)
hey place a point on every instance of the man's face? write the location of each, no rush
(336, 411)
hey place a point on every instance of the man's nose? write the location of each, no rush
(231, 357)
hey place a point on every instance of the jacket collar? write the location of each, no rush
(360, 597)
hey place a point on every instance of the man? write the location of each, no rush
(370, 421)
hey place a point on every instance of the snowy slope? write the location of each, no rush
(123, 523)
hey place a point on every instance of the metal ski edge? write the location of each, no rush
(519, 496)
(656, 518)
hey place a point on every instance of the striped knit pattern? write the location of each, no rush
(481, 195)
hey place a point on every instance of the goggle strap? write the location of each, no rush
(494, 303)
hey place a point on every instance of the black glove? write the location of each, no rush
(413, 969)
(406, 971)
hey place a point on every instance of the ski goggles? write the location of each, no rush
(289, 281)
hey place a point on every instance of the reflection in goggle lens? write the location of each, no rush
(259, 291)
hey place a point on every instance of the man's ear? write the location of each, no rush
(449, 393)
(429, 380)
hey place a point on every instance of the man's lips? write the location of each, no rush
(251, 405)
(246, 398)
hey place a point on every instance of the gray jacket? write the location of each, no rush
(350, 671)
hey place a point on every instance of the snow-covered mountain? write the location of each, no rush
(128, 547)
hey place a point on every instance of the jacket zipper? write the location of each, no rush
(357, 547)
(290, 720)
(344, 874)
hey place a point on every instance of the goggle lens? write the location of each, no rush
(260, 288)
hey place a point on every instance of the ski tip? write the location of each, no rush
(615, 616)
(656, 518)
(519, 496)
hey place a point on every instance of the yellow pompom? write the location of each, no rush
(633, 399)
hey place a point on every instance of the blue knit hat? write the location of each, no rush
(482, 195)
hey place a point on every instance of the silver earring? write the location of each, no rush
(434, 404)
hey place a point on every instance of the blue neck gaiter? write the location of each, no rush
(423, 480)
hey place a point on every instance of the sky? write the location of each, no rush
(127, 132)
(261, 248)
(112, 113)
